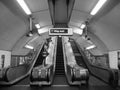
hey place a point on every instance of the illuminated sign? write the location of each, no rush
(60, 31)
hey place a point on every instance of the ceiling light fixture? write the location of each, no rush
(97, 7)
(24, 6)
(82, 26)
(78, 31)
(37, 26)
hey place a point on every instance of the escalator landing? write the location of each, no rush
(58, 87)
(60, 80)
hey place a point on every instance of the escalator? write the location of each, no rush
(60, 81)
(98, 76)
(39, 61)
(77, 54)
(59, 78)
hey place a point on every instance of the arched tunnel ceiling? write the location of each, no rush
(37, 5)
(40, 12)
(43, 18)
(105, 26)
(81, 11)
(12, 28)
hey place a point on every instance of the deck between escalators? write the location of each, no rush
(59, 78)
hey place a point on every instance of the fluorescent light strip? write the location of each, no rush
(24, 6)
(29, 47)
(90, 47)
(78, 31)
(37, 26)
(43, 30)
(97, 7)
(82, 26)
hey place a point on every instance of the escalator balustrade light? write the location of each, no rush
(68, 44)
(97, 7)
(29, 47)
(90, 47)
(24, 7)
(45, 54)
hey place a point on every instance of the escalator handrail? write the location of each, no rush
(65, 61)
(36, 56)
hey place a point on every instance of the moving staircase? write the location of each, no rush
(59, 59)
(77, 54)
(59, 78)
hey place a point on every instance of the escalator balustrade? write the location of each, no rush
(80, 74)
(43, 74)
(40, 73)
(3, 74)
(14, 74)
(59, 76)
(107, 75)
(76, 74)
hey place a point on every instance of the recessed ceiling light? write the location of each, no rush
(24, 6)
(82, 26)
(37, 26)
(97, 7)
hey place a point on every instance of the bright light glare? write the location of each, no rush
(24, 6)
(90, 47)
(82, 26)
(42, 30)
(29, 47)
(97, 7)
(70, 50)
(78, 31)
(37, 26)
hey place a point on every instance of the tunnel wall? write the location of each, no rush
(12, 28)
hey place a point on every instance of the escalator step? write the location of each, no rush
(59, 59)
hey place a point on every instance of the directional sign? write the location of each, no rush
(60, 31)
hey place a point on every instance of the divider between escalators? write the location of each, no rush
(76, 74)
(60, 78)
(43, 73)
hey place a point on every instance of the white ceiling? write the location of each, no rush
(105, 25)
(40, 12)
(81, 11)
(84, 5)
(37, 5)
(43, 18)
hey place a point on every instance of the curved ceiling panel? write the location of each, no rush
(43, 18)
(11, 28)
(85, 5)
(78, 17)
(107, 28)
(37, 5)
(19, 47)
